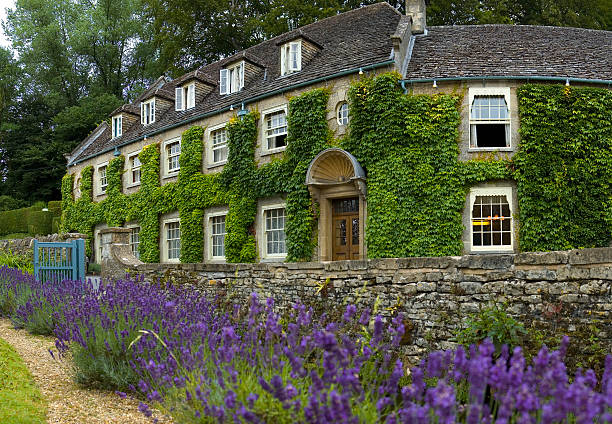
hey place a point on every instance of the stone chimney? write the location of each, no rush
(416, 10)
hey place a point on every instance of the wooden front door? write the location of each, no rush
(345, 229)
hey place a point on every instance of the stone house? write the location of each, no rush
(485, 62)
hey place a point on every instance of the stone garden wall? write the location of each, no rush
(24, 246)
(564, 290)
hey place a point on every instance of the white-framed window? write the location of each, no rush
(231, 80)
(489, 118)
(172, 150)
(216, 236)
(135, 240)
(275, 129)
(147, 112)
(172, 240)
(291, 57)
(117, 127)
(217, 137)
(185, 97)
(491, 219)
(342, 113)
(134, 169)
(102, 178)
(274, 218)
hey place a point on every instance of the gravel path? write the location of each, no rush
(67, 402)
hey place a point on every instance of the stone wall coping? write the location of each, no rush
(486, 262)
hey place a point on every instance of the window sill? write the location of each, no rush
(272, 151)
(167, 176)
(492, 252)
(216, 165)
(217, 260)
(274, 259)
(172, 261)
(132, 185)
(490, 149)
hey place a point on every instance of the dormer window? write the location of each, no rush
(117, 126)
(232, 79)
(291, 57)
(185, 97)
(147, 112)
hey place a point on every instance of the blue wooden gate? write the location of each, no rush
(59, 261)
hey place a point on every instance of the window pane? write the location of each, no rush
(276, 129)
(218, 235)
(275, 231)
(173, 239)
(491, 220)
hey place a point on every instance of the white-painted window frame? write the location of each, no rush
(166, 241)
(231, 79)
(211, 147)
(100, 178)
(209, 231)
(341, 117)
(291, 57)
(135, 251)
(264, 129)
(474, 92)
(168, 157)
(117, 126)
(185, 97)
(264, 230)
(492, 191)
(131, 168)
(147, 112)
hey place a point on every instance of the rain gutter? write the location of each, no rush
(566, 80)
(198, 117)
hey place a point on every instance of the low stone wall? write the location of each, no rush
(558, 290)
(24, 246)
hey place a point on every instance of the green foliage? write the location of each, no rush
(20, 399)
(32, 220)
(22, 262)
(416, 186)
(8, 203)
(408, 145)
(564, 167)
(495, 323)
(194, 192)
(595, 14)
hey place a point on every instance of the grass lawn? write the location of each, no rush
(20, 399)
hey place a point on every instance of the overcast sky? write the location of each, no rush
(3, 5)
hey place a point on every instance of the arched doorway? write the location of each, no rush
(336, 181)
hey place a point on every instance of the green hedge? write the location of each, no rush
(31, 220)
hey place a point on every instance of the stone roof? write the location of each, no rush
(511, 50)
(362, 37)
(348, 41)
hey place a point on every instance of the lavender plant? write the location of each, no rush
(203, 363)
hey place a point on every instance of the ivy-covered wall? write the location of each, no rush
(239, 186)
(408, 145)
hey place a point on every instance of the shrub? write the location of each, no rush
(492, 323)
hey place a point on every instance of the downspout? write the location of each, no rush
(245, 102)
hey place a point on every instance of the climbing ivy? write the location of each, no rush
(564, 167)
(417, 186)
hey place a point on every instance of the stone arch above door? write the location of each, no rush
(335, 178)
(335, 166)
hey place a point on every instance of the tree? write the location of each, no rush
(192, 33)
(77, 59)
(595, 14)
